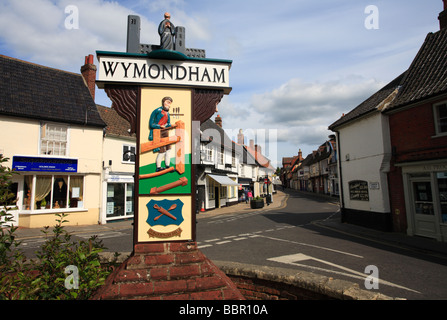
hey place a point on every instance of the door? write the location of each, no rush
(217, 197)
(424, 210)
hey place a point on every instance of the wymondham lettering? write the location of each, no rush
(115, 70)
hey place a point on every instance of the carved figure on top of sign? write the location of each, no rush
(166, 30)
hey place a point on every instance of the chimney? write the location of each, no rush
(300, 155)
(218, 121)
(88, 71)
(252, 144)
(258, 148)
(240, 137)
(443, 16)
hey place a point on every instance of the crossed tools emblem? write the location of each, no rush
(165, 212)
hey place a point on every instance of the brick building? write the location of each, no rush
(405, 189)
(418, 131)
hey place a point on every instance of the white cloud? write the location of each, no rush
(299, 103)
(36, 30)
(285, 54)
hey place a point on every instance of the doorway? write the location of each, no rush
(216, 197)
(425, 221)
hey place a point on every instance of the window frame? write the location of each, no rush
(437, 119)
(34, 210)
(41, 138)
(129, 146)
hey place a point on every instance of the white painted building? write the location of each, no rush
(364, 149)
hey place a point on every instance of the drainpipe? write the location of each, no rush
(340, 180)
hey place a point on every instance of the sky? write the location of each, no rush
(297, 65)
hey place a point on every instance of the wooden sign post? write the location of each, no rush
(163, 92)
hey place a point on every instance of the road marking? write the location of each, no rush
(102, 235)
(204, 246)
(292, 259)
(313, 246)
(223, 242)
(33, 243)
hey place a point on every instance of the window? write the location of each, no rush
(442, 187)
(129, 154)
(53, 139)
(220, 157)
(211, 189)
(209, 153)
(441, 118)
(223, 192)
(52, 192)
(119, 200)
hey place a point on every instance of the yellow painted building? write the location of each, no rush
(52, 133)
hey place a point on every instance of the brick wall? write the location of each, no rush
(168, 271)
(412, 132)
(259, 289)
(412, 139)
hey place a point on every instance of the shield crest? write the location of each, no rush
(165, 212)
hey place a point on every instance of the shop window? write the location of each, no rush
(442, 187)
(53, 192)
(211, 189)
(53, 139)
(223, 192)
(119, 200)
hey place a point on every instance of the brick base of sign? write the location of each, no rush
(168, 271)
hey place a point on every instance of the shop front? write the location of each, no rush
(222, 191)
(118, 197)
(45, 186)
(425, 188)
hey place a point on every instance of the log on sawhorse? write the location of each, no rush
(158, 142)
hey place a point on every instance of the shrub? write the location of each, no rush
(46, 278)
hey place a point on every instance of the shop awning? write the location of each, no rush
(223, 180)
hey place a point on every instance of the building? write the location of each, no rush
(53, 113)
(393, 149)
(363, 142)
(418, 131)
(118, 165)
(263, 184)
(217, 173)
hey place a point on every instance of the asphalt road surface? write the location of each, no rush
(291, 237)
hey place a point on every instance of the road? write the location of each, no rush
(293, 237)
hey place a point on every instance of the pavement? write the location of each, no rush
(411, 243)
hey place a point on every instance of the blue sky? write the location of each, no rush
(297, 64)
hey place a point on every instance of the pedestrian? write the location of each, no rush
(250, 195)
